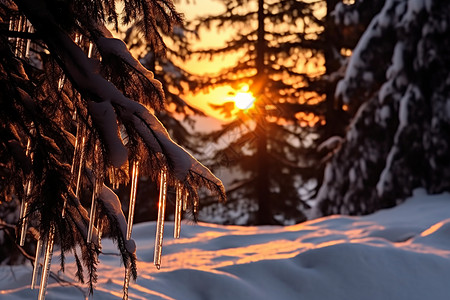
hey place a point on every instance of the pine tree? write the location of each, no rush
(77, 120)
(398, 139)
(176, 81)
(343, 26)
(178, 115)
(276, 42)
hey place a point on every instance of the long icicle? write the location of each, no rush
(27, 49)
(77, 137)
(92, 213)
(24, 227)
(63, 212)
(47, 263)
(185, 200)
(126, 282)
(96, 188)
(83, 140)
(134, 182)
(24, 203)
(18, 50)
(160, 222)
(112, 178)
(178, 212)
(75, 154)
(11, 27)
(22, 208)
(37, 262)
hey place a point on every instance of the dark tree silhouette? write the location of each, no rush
(293, 54)
(277, 44)
(398, 139)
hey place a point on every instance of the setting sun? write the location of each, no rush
(244, 99)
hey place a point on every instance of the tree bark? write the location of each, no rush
(264, 214)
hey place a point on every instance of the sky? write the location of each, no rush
(402, 253)
(209, 38)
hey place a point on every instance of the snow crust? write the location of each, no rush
(401, 253)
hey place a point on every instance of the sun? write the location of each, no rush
(244, 99)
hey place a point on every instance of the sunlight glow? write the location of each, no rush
(432, 229)
(244, 99)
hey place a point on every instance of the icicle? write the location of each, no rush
(90, 49)
(63, 211)
(99, 230)
(96, 188)
(61, 83)
(185, 198)
(178, 207)
(160, 222)
(134, 181)
(17, 51)
(92, 213)
(37, 263)
(28, 149)
(77, 137)
(11, 28)
(27, 50)
(78, 38)
(47, 263)
(126, 282)
(24, 228)
(83, 140)
(75, 154)
(195, 205)
(22, 207)
(24, 204)
(112, 178)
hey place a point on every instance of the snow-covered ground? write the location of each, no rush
(399, 253)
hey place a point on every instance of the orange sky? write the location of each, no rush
(213, 38)
(210, 38)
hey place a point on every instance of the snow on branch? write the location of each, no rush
(110, 46)
(100, 99)
(365, 65)
(104, 98)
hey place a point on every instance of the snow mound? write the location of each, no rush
(399, 253)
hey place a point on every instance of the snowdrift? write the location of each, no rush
(399, 253)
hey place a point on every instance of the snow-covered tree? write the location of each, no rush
(398, 79)
(77, 120)
(343, 25)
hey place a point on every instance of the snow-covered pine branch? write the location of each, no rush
(76, 101)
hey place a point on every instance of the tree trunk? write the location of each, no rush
(262, 185)
(336, 118)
